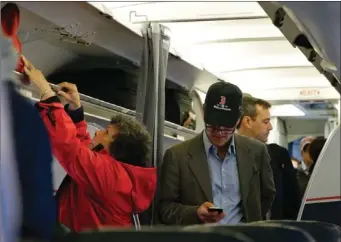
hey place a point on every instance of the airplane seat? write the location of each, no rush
(32, 151)
(319, 230)
(211, 228)
(263, 232)
(34, 157)
(153, 235)
(321, 201)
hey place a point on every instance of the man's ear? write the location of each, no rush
(247, 122)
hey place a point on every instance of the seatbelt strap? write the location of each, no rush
(136, 221)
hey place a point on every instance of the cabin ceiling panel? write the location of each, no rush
(220, 58)
(157, 11)
(249, 52)
(233, 30)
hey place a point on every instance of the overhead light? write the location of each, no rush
(286, 110)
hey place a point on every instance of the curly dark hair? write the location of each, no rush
(133, 143)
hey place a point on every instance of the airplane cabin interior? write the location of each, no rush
(287, 53)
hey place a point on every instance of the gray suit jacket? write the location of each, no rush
(185, 180)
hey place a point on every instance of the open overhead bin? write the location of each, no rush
(314, 28)
(110, 38)
(106, 68)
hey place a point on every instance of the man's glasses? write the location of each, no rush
(216, 129)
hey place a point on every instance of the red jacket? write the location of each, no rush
(102, 190)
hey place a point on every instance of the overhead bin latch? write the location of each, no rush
(312, 55)
(279, 17)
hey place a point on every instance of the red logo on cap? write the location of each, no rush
(222, 100)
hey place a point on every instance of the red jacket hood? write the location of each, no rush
(144, 186)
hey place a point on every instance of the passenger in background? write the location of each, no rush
(107, 180)
(288, 200)
(315, 149)
(255, 123)
(306, 159)
(189, 120)
(247, 95)
(255, 120)
(303, 174)
(217, 168)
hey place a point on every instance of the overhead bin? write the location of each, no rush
(113, 85)
(111, 37)
(100, 112)
(111, 61)
(118, 85)
(314, 28)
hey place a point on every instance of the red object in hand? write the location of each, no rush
(20, 66)
(10, 19)
(20, 69)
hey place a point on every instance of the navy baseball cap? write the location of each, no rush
(223, 104)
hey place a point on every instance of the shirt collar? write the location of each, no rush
(208, 145)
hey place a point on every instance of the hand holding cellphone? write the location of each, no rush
(215, 209)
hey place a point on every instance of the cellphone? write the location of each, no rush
(215, 209)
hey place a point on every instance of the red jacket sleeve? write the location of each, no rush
(82, 133)
(93, 171)
(77, 117)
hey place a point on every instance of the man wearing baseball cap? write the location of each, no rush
(218, 176)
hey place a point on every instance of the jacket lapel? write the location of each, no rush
(199, 166)
(246, 166)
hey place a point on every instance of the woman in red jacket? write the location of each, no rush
(107, 179)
